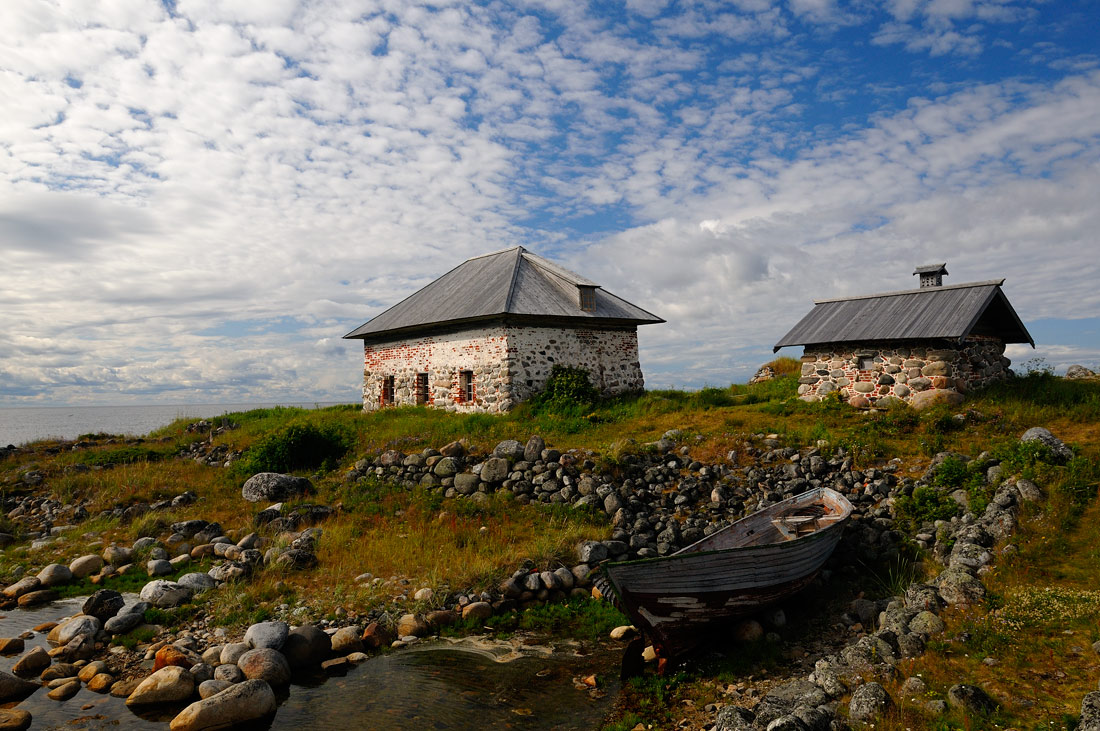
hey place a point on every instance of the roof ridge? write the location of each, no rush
(919, 290)
(498, 252)
(515, 275)
(558, 270)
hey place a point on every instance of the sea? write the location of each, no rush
(22, 424)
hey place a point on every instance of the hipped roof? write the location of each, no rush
(951, 313)
(513, 283)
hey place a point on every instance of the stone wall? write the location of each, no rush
(509, 364)
(922, 373)
(609, 356)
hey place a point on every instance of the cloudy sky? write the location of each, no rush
(198, 198)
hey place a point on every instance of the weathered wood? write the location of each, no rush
(729, 574)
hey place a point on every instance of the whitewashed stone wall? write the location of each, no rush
(918, 374)
(509, 364)
(609, 356)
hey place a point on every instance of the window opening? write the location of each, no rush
(466, 385)
(421, 389)
(387, 390)
(588, 298)
(866, 364)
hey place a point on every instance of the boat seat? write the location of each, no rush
(793, 526)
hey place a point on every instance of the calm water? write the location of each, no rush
(23, 424)
(440, 686)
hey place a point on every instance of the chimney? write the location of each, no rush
(932, 275)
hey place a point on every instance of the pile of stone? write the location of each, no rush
(659, 500)
(229, 683)
(1079, 372)
(763, 373)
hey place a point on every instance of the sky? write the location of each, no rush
(198, 198)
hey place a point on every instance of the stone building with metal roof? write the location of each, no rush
(485, 335)
(922, 346)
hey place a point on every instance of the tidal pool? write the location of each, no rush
(437, 685)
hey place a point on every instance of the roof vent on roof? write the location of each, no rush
(931, 275)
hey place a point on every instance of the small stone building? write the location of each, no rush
(486, 334)
(922, 346)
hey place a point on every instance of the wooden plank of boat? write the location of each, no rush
(731, 574)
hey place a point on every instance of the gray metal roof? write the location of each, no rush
(951, 312)
(512, 283)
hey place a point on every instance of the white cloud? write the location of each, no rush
(168, 175)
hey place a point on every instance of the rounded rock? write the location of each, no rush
(233, 651)
(103, 605)
(274, 487)
(306, 646)
(208, 688)
(79, 625)
(197, 581)
(167, 685)
(347, 639)
(14, 719)
(270, 635)
(165, 594)
(55, 575)
(86, 566)
(239, 704)
(15, 689)
(228, 673)
(265, 664)
(869, 702)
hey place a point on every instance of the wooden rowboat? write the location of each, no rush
(731, 573)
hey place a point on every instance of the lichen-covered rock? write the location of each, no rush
(734, 718)
(1057, 448)
(959, 587)
(927, 623)
(784, 699)
(510, 450)
(165, 594)
(274, 487)
(1090, 713)
(970, 698)
(869, 702)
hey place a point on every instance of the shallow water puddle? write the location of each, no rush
(440, 685)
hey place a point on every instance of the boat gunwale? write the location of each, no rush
(785, 545)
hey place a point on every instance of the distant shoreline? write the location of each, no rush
(22, 424)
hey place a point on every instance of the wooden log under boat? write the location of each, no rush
(731, 574)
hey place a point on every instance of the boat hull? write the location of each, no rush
(676, 598)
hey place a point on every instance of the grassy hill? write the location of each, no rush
(1036, 630)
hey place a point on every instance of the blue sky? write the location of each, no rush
(199, 197)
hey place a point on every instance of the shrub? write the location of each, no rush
(567, 387)
(299, 446)
(120, 455)
(925, 505)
